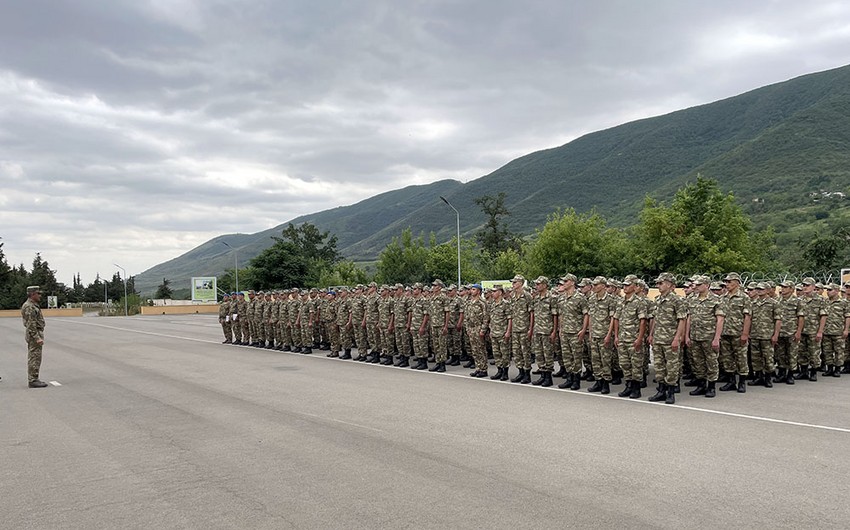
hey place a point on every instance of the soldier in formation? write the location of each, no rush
(597, 330)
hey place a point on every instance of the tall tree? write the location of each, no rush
(495, 237)
(164, 291)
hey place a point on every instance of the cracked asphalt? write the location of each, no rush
(157, 425)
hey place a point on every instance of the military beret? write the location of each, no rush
(666, 277)
(732, 276)
(600, 279)
(808, 280)
(518, 278)
(475, 286)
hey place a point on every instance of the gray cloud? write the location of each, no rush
(133, 131)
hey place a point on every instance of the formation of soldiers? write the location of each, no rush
(601, 330)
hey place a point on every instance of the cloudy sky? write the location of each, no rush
(132, 131)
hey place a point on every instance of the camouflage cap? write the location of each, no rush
(498, 287)
(798, 287)
(833, 286)
(585, 282)
(732, 276)
(715, 286)
(399, 286)
(373, 284)
(438, 282)
(701, 280)
(541, 279)
(568, 277)
(518, 278)
(770, 284)
(417, 285)
(314, 290)
(360, 286)
(451, 287)
(426, 288)
(614, 283)
(786, 283)
(808, 280)
(33, 289)
(630, 278)
(761, 286)
(600, 280)
(752, 285)
(666, 277)
(818, 285)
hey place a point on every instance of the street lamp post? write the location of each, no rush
(235, 263)
(458, 237)
(124, 275)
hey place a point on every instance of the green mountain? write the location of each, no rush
(775, 147)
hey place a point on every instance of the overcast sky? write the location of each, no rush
(133, 131)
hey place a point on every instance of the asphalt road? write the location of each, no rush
(157, 425)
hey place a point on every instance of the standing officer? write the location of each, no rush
(702, 336)
(601, 307)
(224, 319)
(419, 310)
(812, 332)
(500, 325)
(835, 330)
(736, 334)
(573, 321)
(766, 326)
(630, 324)
(438, 311)
(521, 307)
(793, 313)
(543, 329)
(401, 324)
(475, 319)
(34, 325)
(665, 337)
(242, 318)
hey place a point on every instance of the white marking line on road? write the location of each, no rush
(340, 421)
(488, 380)
(55, 383)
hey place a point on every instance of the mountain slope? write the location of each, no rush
(775, 145)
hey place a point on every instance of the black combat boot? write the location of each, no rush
(588, 376)
(227, 341)
(803, 373)
(731, 385)
(435, 368)
(286, 347)
(296, 349)
(643, 381)
(441, 367)
(454, 361)
(671, 396)
(560, 373)
(709, 390)
(37, 383)
(423, 364)
(836, 372)
(813, 374)
(635, 393)
(597, 386)
(693, 382)
(768, 381)
(518, 378)
(606, 387)
(742, 384)
(699, 390)
(576, 381)
(789, 377)
(346, 354)
(526, 377)
(539, 381)
(568, 382)
(829, 369)
(677, 388)
(846, 368)
(758, 380)
(481, 374)
(780, 375)
(404, 361)
(332, 354)
(548, 380)
(469, 364)
(505, 374)
(498, 374)
(626, 391)
(307, 351)
(660, 395)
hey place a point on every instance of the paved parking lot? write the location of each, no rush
(157, 425)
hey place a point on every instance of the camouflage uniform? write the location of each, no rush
(306, 313)
(733, 354)
(571, 313)
(766, 313)
(629, 314)
(791, 309)
(243, 319)
(249, 316)
(601, 311)
(343, 317)
(670, 309)
(475, 320)
(259, 311)
(521, 306)
(373, 320)
(268, 332)
(437, 309)
(330, 315)
(358, 314)
(500, 317)
(274, 321)
(34, 326)
(454, 341)
(224, 320)
(838, 311)
(814, 307)
(293, 309)
(704, 312)
(419, 309)
(386, 335)
(401, 310)
(545, 308)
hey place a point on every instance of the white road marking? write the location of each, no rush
(55, 383)
(488, 380)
